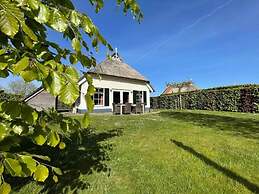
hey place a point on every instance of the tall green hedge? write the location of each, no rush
(244, 98)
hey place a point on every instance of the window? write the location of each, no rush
(98, 96)
(145, 97)
(137, 97)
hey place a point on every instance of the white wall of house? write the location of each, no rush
(115, 84)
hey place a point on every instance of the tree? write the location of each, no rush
(21, 88)
(25, 51)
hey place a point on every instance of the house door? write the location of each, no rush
(116, 97)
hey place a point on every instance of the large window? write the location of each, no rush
(98, 96)
(137, 97)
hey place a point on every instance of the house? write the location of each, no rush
(115, 82)
(186, 86)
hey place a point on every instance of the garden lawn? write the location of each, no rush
(172, 152)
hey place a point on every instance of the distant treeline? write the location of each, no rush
(239, 98)
(8, 96)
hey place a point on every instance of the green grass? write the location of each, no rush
(166, 152)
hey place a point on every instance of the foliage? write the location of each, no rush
(25, 51)
(21, 88)
(244, 98)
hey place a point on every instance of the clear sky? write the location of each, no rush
(212, 42)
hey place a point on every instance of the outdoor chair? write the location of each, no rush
(127, 108)
(139, 108)
(116, 109)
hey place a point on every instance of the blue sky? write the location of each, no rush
(212, 42)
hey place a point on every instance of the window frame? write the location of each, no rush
(99, 93)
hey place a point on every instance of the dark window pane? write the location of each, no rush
(135, 96)
(107, 97)
(145, 97)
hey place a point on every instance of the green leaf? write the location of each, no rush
(54, 83)
(42, 157)
(95, 42)
(34, 4)
(28, 42)
(9, 24)
(89, 78)
(43, 70)
(76, 45)
(29, 32)
(62, 145)
(58, 21)
(74, 18)
(2, 131)
(4, 73)
(53, 139)
(39, 139)
(72, 73)
(21, 65)
(91, 90)
(41, 173)
(29, 76)
(69, 93)
(85, 61)
(1, 168)
(72, 58)
(5, 188)
(29, 114)
(87, 25)
(2, 51)
(3, 65)
(55, 178)
(12, 108)
(43, 15)
(58, 171)
(85, 120)
(89, 102)
(30, 163)
(13, 166)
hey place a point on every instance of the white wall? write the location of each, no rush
(114, 83)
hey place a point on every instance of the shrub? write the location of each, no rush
(241, 98)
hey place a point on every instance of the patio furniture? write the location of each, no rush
(140, 107)
(116, 108)
(127, 108)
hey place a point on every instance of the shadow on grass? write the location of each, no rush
(83, 155)
(234, 176)
(245, 127)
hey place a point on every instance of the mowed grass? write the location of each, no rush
(172, 152)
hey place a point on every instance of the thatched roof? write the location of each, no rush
(116, 67)
(185, 86)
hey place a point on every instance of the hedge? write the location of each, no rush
(241, 98)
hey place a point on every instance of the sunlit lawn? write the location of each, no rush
(166, 152)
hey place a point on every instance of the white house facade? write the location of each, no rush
(115, 82)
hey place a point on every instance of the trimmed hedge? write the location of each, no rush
(242, 98)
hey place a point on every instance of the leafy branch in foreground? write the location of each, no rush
(25, 51)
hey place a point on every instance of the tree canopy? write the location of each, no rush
(26, 51)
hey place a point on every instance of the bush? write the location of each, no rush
(241, 98)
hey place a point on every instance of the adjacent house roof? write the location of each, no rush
(186, 86)
(116, 67)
